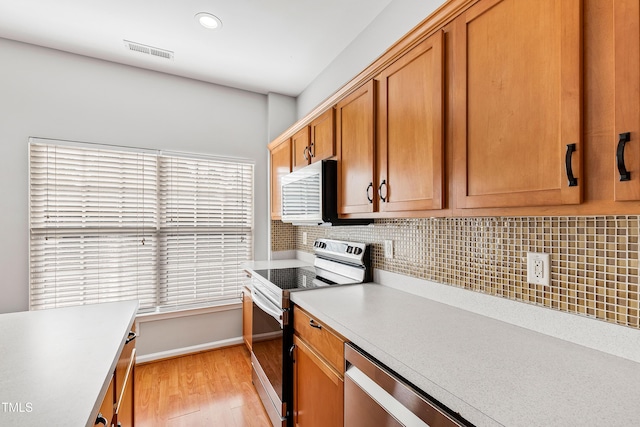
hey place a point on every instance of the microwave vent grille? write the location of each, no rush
(302, 197)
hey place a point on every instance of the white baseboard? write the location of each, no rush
(144, 358)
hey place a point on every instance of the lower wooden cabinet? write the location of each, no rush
(117, 408)
(125, 372)
(247, 317)
(318, 375)
(124, 415)
(105, 414)
(318, 389)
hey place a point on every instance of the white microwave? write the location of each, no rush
(310, 196)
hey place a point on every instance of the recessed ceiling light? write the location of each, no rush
(208, 20)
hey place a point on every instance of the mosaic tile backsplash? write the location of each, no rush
(594, 260)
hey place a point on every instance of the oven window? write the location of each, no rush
(267, 347)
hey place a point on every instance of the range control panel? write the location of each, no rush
(340, 250)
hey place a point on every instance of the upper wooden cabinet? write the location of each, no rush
(626, 27)
(494, 107)
(323, 136)
(390, 140)
(355, 151)
(300, 143)
(314, 142)
(517, 104)
(410, 130)
(280, 166)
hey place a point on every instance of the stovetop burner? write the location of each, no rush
(336, 263)
(294, 278)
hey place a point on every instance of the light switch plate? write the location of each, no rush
(304, 237)
(538, 268)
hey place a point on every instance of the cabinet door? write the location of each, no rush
(247, 317)
(280, 166)
(107, 407)
(300, 148)
(318, 390)
(323, 136)
(627, 99)
(354, 146)
(410, 136)
(517, 112)
(124, 364)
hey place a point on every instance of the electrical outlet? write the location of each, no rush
(304, 237)
(538, 268)
(388, 248)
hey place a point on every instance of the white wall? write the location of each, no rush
(52, 94)
(282, 113)
(397, 19)
(168, 336)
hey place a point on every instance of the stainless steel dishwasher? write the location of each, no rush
(373, 396)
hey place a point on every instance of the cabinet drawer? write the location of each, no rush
(320, 338)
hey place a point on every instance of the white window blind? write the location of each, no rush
(110, 225)
(205, 228)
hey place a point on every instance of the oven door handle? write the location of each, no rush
(267, 306)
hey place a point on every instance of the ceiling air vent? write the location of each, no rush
(148, 50)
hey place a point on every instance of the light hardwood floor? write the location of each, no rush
(211, 388)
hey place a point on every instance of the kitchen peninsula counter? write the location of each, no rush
(56, 365)
(491, 372)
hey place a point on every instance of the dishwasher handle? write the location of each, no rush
(382, 398)
(371, 390)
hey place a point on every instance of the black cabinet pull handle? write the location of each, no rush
(100, 420)
(304, 153)
(370, 187)
(573, 181)
(313, 324)
(383, 198)
(293, 347)
(312, 149)
(625, 175)
(132, 336)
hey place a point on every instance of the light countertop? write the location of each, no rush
(55, 365)
(493, 373)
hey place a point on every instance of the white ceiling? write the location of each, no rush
(263, 46)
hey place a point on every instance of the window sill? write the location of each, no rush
(185, 312)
